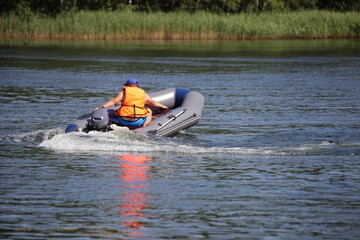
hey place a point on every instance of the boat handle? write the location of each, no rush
(170, 120)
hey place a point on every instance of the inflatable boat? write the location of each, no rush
(185, 111)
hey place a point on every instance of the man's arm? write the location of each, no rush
(111, 102)
(154, 103)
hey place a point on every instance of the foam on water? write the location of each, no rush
(115, 141)
(34, 138)
(128, 141)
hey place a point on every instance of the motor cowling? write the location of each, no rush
(100, 120)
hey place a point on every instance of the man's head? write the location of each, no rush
(132, 81)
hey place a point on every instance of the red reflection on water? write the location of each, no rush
(133, 173)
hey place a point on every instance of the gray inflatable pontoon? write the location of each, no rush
(185, 111)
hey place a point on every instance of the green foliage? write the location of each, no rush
(123, 25)
(54, 7)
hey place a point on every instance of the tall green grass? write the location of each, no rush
(182, 26)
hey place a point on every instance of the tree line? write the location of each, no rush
(53, 7)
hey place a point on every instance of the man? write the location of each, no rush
(133, 112)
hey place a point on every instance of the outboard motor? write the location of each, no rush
(100, 120)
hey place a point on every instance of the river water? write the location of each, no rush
(276, 154)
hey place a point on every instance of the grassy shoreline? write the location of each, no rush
(101, 25)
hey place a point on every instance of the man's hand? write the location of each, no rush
(97, 108)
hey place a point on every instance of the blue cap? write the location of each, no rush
(132, 81)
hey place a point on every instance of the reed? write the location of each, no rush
(127, 25)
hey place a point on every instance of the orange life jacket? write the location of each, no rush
(133, 103)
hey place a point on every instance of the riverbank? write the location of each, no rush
(102, 25)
